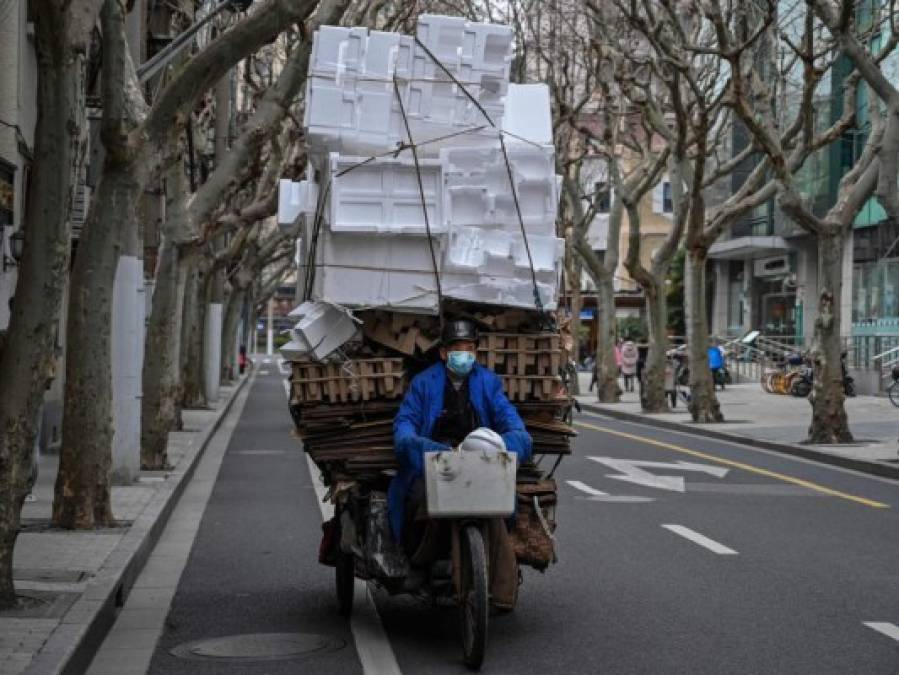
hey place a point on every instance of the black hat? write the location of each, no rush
(460, 329)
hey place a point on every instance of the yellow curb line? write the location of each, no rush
(740, 465)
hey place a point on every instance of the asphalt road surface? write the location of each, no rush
(677, 554)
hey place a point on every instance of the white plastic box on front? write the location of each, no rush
(475, 484)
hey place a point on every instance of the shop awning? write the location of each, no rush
(748, 247)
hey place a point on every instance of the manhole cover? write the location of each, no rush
(258, 647)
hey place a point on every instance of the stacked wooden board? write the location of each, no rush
(344, 409)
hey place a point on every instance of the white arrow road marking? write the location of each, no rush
(599, 496)
(700, 539)
(891, 630)
(633, 471)
(583, 487)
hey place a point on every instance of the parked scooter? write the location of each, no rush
(804, 383)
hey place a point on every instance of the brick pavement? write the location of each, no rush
(779, 421)
(65, 577)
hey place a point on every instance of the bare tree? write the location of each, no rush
(135, 145)
(874, 172)
(63, 37)
(189, 235)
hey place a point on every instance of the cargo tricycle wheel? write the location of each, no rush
(346, 580)
(473, 600)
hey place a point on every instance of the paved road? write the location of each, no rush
(705, 558)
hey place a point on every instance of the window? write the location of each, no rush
(667, 198)
(603, 197)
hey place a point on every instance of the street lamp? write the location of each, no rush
(16, 245)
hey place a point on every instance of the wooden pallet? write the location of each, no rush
(521, 354)
(350, 381)
(531, 387)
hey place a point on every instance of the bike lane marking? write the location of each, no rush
(700, 539)
(891, 630)
(738, 465)
(372, 644)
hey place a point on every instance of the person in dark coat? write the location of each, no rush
(443, 405)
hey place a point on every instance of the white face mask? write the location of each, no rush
(460, 363)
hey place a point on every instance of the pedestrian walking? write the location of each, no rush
(716, 363)
(629, 357)
(595, 374)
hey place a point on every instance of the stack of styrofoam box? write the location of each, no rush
(351, 101)
(371, 249)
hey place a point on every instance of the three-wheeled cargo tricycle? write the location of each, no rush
(469, 495)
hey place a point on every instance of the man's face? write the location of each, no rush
(458, 346)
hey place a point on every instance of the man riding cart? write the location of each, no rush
(445, 404)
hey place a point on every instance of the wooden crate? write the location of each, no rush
(353, 380)
(520, 388)
(521, 354)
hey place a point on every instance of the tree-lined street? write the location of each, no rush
(260, 258)
(710, 557)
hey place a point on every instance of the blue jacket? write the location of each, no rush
(716, 358)
(418, 413)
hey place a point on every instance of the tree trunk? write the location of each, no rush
(704, 406)
(652, 388)
(29, 354)
(82, 495)
(229, 331)
(829, 421)
(193, 334)
(162, 359)
(607, 389)
(577, 302)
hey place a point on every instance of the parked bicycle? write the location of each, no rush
(893, 389)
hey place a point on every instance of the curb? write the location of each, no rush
(875, 468)
(74, 642)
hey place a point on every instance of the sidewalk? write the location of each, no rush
(778, 423)
(73, 582)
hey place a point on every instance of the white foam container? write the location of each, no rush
(474, 484)
(383, 196)
(294, 350)
(404, 291)
(324, 328)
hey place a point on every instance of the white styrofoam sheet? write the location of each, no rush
(377, 252)
(384, 196)
(528, 114)
(390, 289)
(324, 328)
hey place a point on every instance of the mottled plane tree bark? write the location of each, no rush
(62, 40)
(873, 174)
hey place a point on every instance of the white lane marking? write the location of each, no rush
(634, 471)
(266, 360)
(745, 447)
(700, 539)
(599, 496)
(891, 630)
(372, 645)
(264, 372)
(583, 487)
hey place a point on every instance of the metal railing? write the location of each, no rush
(867, 352)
